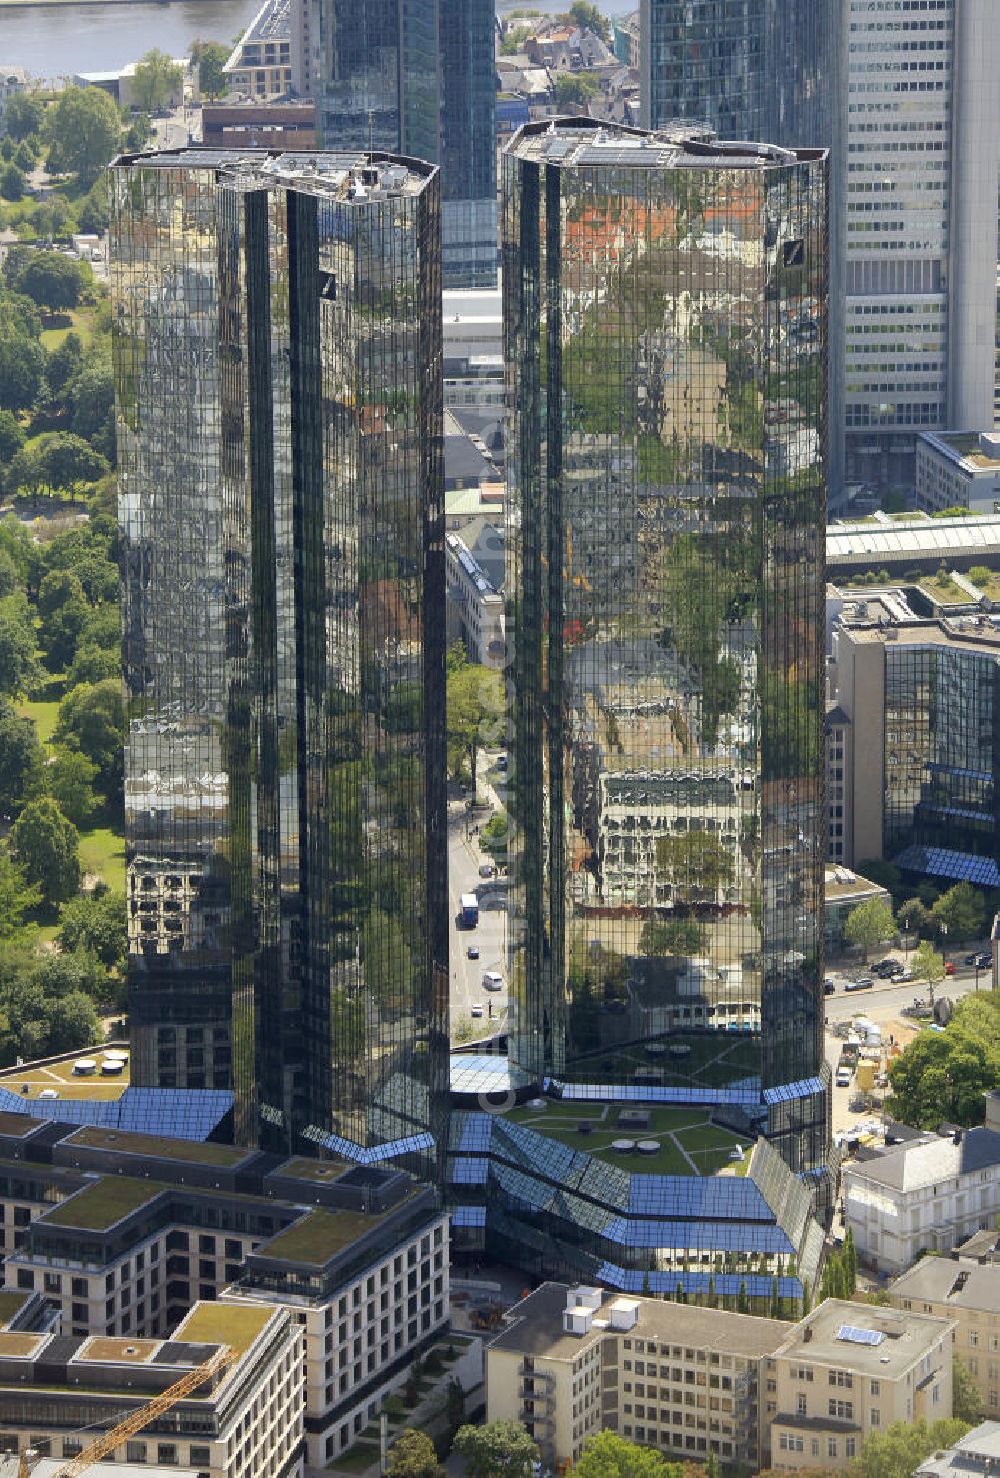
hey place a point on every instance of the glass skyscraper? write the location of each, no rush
(278, 371)
(420, 78)
(665, 301)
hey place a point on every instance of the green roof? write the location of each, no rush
(158, 1147)
(319, 1235)
(11, 1303)
(99, 1206)
(18, 1126)
(233, 1324)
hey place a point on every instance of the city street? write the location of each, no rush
(886, 1000)
(489, 936)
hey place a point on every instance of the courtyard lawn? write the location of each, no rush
(45, 716)
(102, 852)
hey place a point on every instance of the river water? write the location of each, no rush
(56, 40)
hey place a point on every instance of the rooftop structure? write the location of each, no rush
(912, 542)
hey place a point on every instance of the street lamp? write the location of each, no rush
(943, 929)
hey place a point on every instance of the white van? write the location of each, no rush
(492, 980)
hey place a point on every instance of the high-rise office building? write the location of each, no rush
(906, 97)
(278, 369)
(419, 78)
(920, 132)
(665, 302)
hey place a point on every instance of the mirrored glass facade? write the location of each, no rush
(278, 366)
(665, 320)
(420, 78)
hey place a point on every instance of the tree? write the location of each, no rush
(92, 664)
(17, 644)
(901, 1448)
(20, 757)
(606, 1455)
(17, 896)
(22, 115)
(11, 436)
(65, 461)
(886, 874)
(64, 362)
(589, 18)
(677, 937)
(575, 89)
(69, 780)
(412, 1455)
(966, 1402)
(92, 719)
(961, 912)
(211, 57)
(496, 1450)
(475, 713)
(22, 368)
(90, 397)
(80, 971)
(928, 965)
(73, 1023)
(696, 862)
(454, 1404)
(912, 916)
(12, 182)
(96, 922)
(869, 924)
(944, 1075)
(62, 609)
(47, 847)
(84, 130)
(51, 279)
(155, 77)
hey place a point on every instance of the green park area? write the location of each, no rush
(688, 1142)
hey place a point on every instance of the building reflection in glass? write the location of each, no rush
(665, 319)
(278, 368)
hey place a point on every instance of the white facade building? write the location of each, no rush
(922, 136)
(929, 1194)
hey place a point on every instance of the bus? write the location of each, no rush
(469, 910)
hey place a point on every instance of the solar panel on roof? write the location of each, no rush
(852, 1335)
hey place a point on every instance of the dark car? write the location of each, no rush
(983, 961)
(863, 982)
(828, 987)
(473, 951)
(886, 969)
(971, 959)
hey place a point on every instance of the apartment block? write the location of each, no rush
(677, 1377)
(357, 1255)
(927, 1195)
(969, 1295)
(244, 1421)
(847, 1370)
(474, 562)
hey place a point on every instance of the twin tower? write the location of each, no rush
(279, 396)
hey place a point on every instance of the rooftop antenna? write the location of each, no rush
(371, 130)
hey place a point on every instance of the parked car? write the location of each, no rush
(949, 967)
(886, 968)
(828, 987)
(486, 869)
(863, 982)
(903, 974)
(843, 1077)
(477, 1010)
(971, 959)
(984, 961)
(472, 952)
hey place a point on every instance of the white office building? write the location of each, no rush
(922, 133)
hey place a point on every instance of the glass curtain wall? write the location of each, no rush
(665, 320)
(282, 522)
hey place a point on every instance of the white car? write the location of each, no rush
(477, 1011)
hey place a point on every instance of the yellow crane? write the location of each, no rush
(120, 1433)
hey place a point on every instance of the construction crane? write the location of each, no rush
(120, 1433)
